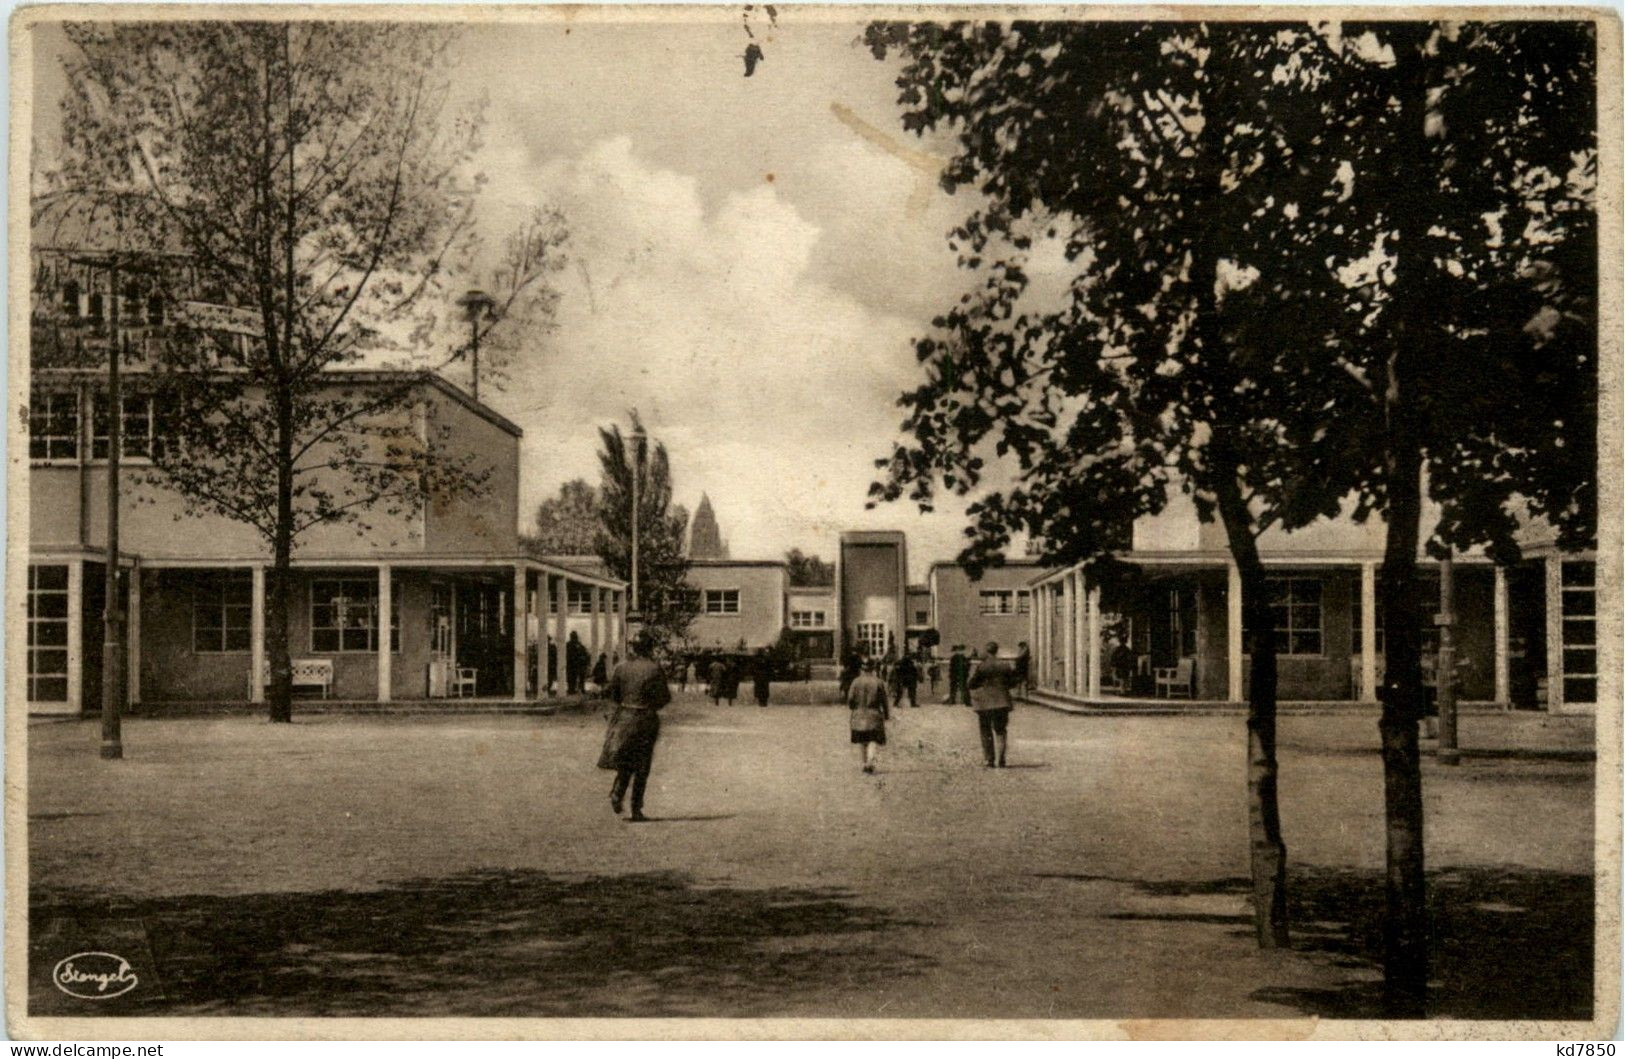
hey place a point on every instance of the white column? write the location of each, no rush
(1233, 654)
(1057, 641)
(386, 660)
(1045, 632)
(595, 607)
(1068, 648)
(1032, 632)
(256, 634)
(76, 639)
(1503, 640)
(1368, 632)
(561, 628)
(1079, 631)
(1093, 640)
(1554, 633)
(521, 614)
(132, 633)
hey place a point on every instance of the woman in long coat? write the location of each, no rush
(868, 707)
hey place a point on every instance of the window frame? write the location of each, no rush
(42, 409)
(222, 581)
(371, 591)
(97, 401)
(34, 676)
(864, 642)
(722, 596)
(1280, 587)
(1005, 602)
(1584, 593)
(809, 619)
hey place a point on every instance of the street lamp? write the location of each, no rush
(638, 440)
(475, 304)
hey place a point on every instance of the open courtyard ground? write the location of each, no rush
(418, 865)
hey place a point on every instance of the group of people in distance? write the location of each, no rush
(639, 690)
(869, 699)
(723, 675)
(579, 667)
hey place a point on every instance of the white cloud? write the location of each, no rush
(773, 390)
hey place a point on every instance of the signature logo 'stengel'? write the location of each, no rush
(94, 976)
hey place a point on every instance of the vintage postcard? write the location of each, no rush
(837, 522)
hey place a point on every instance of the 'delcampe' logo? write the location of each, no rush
(94, 976)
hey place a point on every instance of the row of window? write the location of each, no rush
(343, 613)
(808, 619)
(93, 306)
(1005, 601)
(54, 426)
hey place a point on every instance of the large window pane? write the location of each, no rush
(47, 633)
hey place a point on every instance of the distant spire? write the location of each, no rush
(704, 536)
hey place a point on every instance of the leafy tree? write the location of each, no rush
(1310, 262)
(808, 571)
(311, 176)
(1472, 186)
(569, 523)
(1186, 349)
(667, 604)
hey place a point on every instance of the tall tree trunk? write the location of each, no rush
(1267, 847)
(1405, 926)
(282, 567)
(1405, 948)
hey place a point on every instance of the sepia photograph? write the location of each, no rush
(813, 522)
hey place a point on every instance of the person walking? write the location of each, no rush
(992, 704)
(958, 677)
(762, 676)
(1024, 668)
(933, 673)
(868, 710)
(905, 677)
(639, 690)
(600, 672)
(684, 666)
(851, 666)
(730, 681)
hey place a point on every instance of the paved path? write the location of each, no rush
(418, 865)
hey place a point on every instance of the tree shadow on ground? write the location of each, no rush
(1506, 943)
(501, 943)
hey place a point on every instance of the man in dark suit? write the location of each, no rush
(992, 683)
(905, 677)
(958, 677)
(577, 659)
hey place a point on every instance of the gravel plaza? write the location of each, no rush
(469, 864)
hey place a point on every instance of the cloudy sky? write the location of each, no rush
(749, 258)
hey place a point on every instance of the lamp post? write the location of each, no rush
(638, 440)
(112, 613)
(475, 304)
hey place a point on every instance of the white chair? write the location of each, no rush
(1176, 679)
(464, 681)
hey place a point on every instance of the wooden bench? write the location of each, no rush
(307, 673)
